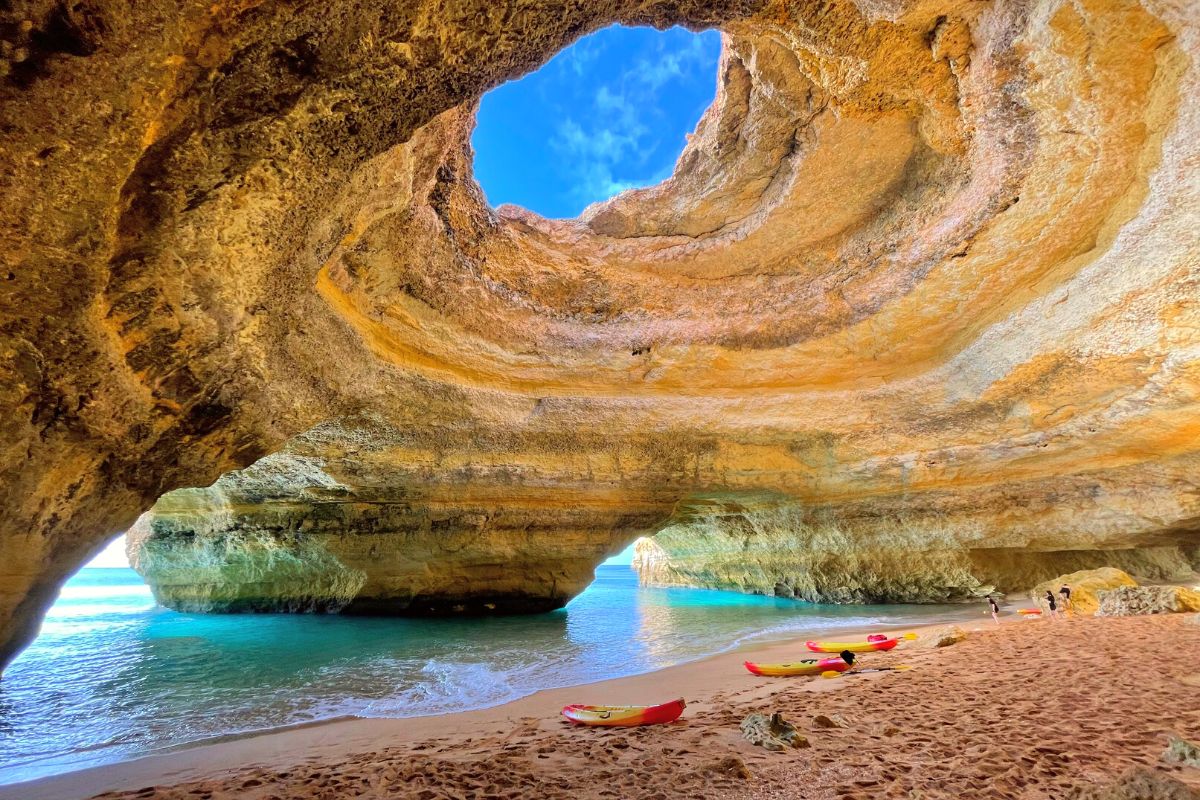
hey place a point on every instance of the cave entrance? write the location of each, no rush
(621, 559)
(611, 112)
(94, 607)
(90, 648)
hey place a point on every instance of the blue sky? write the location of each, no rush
(609, 113)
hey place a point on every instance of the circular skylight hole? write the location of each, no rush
(609, 113)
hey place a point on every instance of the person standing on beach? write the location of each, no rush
(1053, 606)
(995, 609)
(1065, 592)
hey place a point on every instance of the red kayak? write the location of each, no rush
(624, 716)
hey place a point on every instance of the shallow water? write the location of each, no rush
(112, 676)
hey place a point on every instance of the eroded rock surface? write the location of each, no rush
(1181, 751)
(946, 636)
(352, 520)
(927, 272)
(1129, 601)
(1087, 587)
(852, 554)
(772, 732)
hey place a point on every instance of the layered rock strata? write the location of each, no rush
(326, 526)
(926, 262)
(772, 545)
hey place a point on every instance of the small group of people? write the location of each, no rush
(1064, 591)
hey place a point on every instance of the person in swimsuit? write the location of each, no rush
(1065, 592)
(995, 609)
(1050, 602)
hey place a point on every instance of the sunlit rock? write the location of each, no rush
(1087, 587)
(1181, 751)
(858, 552)
(1135, 783)
(945, 636)
(363, 529)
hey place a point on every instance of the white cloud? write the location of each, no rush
(616, 134)
(610, 143)
(596, 182)
(665, 66)
(581, 55)
(606, 100)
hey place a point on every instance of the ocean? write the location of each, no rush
(112, 676)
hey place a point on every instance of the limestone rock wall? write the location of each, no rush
(368, 532)
(926, 261)
(773, 546)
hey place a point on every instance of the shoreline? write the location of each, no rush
(1045, 704)
(196, 760)
(81, 760)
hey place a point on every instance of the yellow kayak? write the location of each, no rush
(868, 646)
(811, 667)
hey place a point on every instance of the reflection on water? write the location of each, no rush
(113, 676)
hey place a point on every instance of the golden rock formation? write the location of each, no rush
(1087, 587)
(927, 267)
(786, 553)
(353, 520)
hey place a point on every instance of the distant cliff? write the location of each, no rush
(772, 546)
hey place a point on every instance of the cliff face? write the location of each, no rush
(770, 545)
(367, 530)
(924, 265)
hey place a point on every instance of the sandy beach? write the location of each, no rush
(1022, 710)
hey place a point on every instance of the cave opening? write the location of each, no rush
(609, 113)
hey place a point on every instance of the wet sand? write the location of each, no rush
(1023, 710)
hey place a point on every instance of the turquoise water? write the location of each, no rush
(112, 676)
